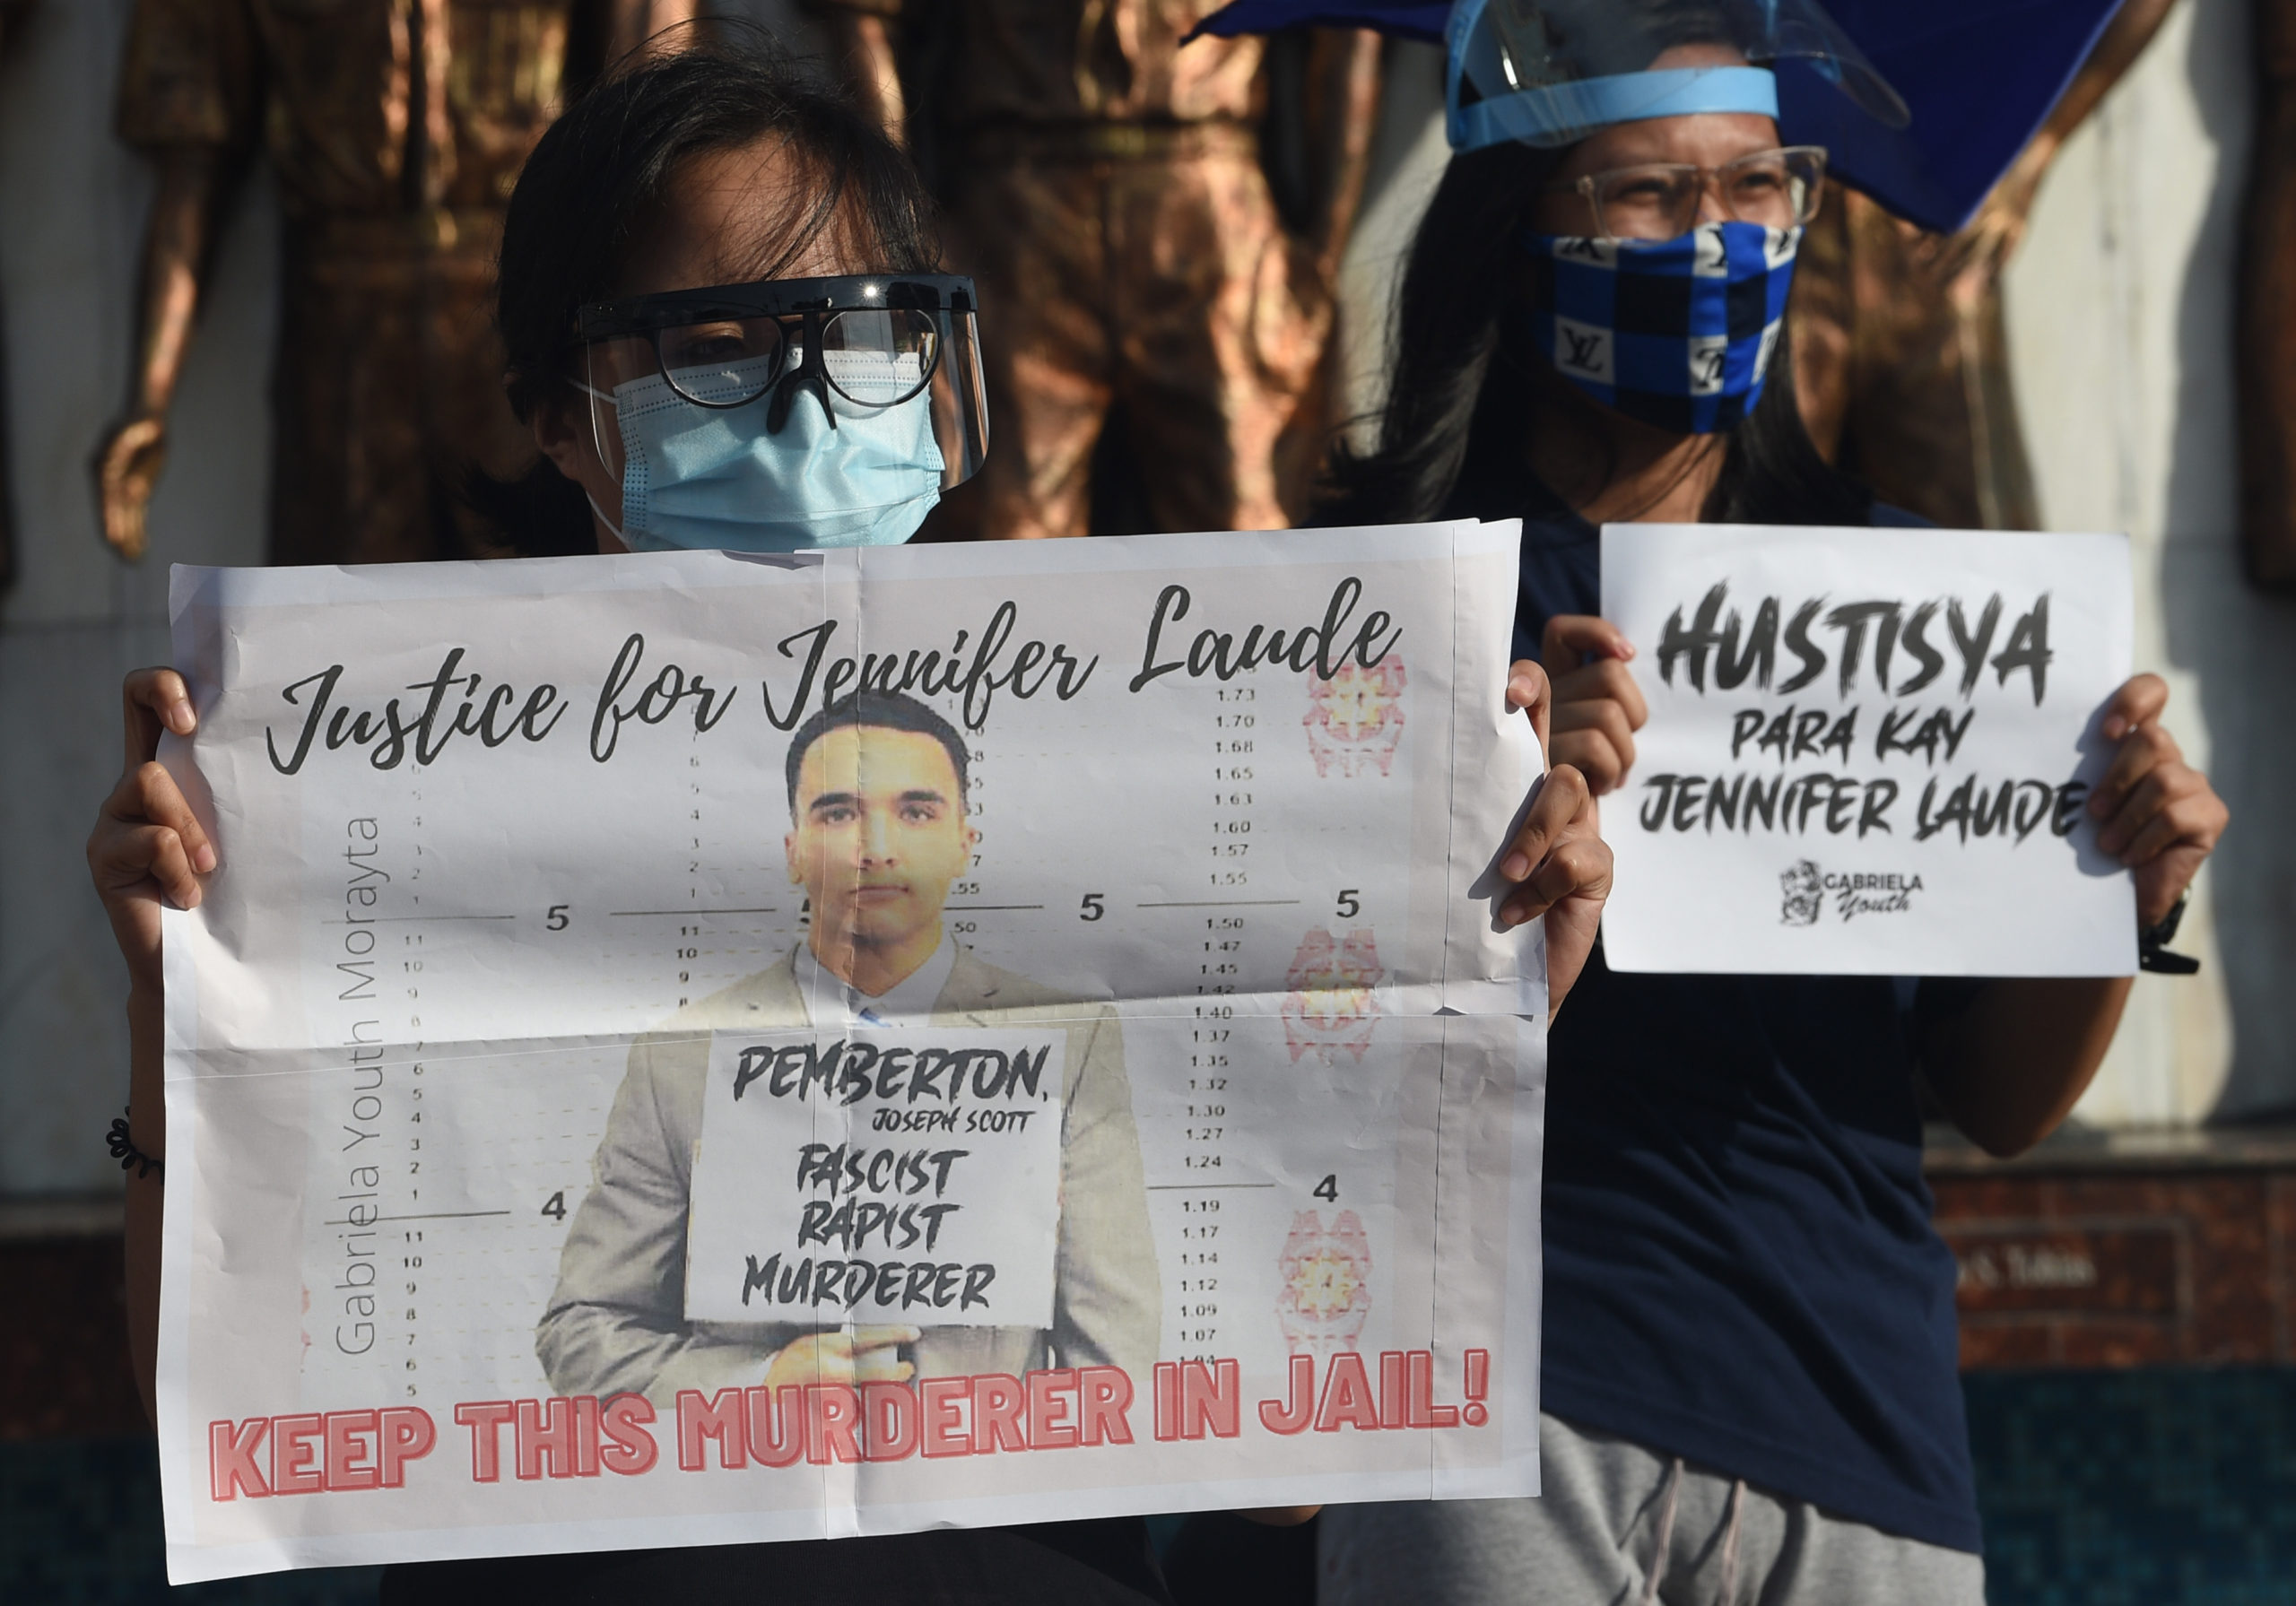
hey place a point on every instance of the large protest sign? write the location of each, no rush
(1868, 752)
(1105, 1015)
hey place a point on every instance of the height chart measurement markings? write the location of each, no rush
(1196, 1120)
(687, 913)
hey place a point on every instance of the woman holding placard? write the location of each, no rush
(726, 327)
(1750, 1368)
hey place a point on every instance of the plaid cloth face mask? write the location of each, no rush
(1676, 333)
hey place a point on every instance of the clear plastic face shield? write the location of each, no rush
(792, 413)
(1549, 72)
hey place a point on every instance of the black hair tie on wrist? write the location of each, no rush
(123, 1149)
(2153, 943)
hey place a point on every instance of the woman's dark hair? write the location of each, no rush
(884, 710)
(1458, 416)
(599, 174)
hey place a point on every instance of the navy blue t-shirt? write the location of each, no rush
(1740, 1265)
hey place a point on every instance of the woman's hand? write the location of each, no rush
(2014, 1058)
(2159, 815)
(147, 845)
(1558, 863)
(864, 1355)
(1598, 708)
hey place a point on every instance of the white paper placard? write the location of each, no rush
(526, 865)
(1867, 752)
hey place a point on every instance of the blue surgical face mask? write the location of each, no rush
(699, 478)
(1676, 333)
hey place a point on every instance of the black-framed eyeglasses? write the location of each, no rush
(1659, 200)
(873, 338)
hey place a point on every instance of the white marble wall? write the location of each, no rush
(2120, 318)
(2120, 313)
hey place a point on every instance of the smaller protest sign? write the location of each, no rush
(1869, 752)
(899, 1176)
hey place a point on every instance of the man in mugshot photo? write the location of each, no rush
(879, 830)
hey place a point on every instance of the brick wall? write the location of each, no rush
(2125, 1252)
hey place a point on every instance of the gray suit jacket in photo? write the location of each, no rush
(616, 1323)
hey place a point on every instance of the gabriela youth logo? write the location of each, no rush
(1807, 889)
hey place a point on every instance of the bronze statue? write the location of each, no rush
(397, 128)
(2265, 366)
(1108, 189)
(1900, 353)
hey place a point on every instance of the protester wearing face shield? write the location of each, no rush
(728, 329)
(1749, 1364)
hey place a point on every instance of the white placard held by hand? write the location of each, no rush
(1868, 752)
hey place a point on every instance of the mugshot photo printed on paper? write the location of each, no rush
(879, 831)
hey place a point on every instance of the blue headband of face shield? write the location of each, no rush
(1549, 73)
(786, 414)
